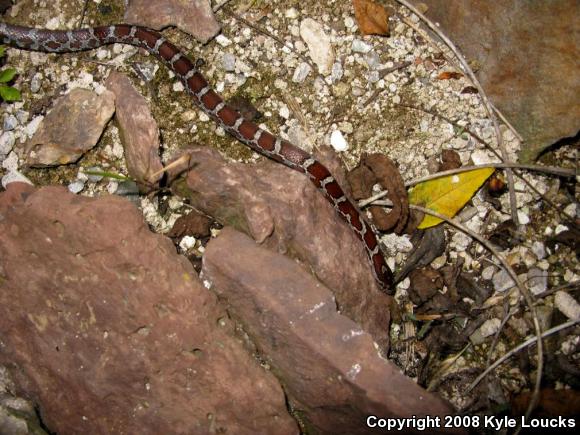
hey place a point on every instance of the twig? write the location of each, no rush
(561, 172)
(484, 99)
(523, 291)
(520, 347)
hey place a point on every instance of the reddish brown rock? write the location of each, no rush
(328, 365)
(194, 16)
(528, 57)
(139, 131)
(108, 330)
(281, 209)
(71, 128)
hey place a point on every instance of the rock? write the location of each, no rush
(6, 143)
(502, 281)
(301, 72)
(138, 130)
(10, 123)
(194, 17)
(229, 62)
(497, 36)
(76, 186)
(359, 46)
(319, 45)
(567, 305)
(282, 210)
(338, 141)
(328, 365)
(99, 312)
(537, 280)
(72, 127)
(489, 327)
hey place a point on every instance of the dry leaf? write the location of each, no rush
(446, 75)
(372, 18)
(447, 195)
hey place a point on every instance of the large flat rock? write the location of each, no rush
(108, 330)
(528, 57)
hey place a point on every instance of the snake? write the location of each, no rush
(210, 102)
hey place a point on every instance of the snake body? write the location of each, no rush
(280, 150)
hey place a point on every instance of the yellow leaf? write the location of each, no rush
(447, 195)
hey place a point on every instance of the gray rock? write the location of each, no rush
(36, 82)
(6, 143)
(359, 46)
(229, 62)
(502, 281)
(76, 186)
(319, 46)
(301, 72)
(10, 122)
(537, 280)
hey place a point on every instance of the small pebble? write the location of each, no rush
(6, 143)
(187, 243)
(336, 72)
(36, 82)
(229, 62)
(338, 141)
(502, 281)
(76, 186)
(537, 280)
(301, 72)
(567, 305)
(560, 229)
(10, 122)
(284, 112)
(222, 40)
(359, 46)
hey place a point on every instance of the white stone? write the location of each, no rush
(11, 162)
(523, 218)
(301, 72)
(284, 111)
(537, 280)
(291, 13)
(502, 281)
(561, 228)
(567, 305)
(571, 209)
(488, 272)
(6, 143)
(359, 46)
(178, 87)
(222, 40)
(187, 243)
(13, 177)
(319, 45)
(76, 186)
(338, 141)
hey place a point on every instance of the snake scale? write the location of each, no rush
(261, 141)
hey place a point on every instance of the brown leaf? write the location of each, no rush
(377, 168)
(192, 224)
(372, 18)
(447, 75)
(449, 160)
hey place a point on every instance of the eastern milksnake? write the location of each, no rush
(54, 41)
